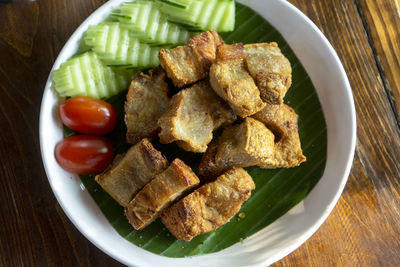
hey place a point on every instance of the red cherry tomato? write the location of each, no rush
(84, 154)
(88, 115)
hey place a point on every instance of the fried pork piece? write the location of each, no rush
(244, 144)
(282, 120)
(146, 101)
(208, 168)
(190, 63)
(270, 69)
(130, 172)
(231, 81)
(221, 113)
(240, 145)
(159, 193)
(210, 206)
(191, 117)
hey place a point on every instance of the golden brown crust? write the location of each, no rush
(155, 196)
(146, 101)
(210, 206)
(166, 121)
(130, 172)
(230, 52)
(181, 65)
(270, 69)
(187, 121)
(221, 113)
(231, 81)
(204, 46)
(190, 63)
(240, 145)
(272, 86)
(282, 120)
(244, 144)
(208, 168)
(191, 117)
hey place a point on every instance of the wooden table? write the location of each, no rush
(362, 230)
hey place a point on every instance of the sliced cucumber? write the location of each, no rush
(86, 75)
(144, 21)
(116, 47)
(177, 3)
(204, 15)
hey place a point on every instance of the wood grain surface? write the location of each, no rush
(362, 230)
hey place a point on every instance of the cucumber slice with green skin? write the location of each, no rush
(191, 27)
(179, 14)
(86, 75)
(115, 46)
(202, 15)
(136, 15)
(154, 56)
(173, 34)
(177, 3)
(133, 54)
(123, 46)
(144, 21)
(183, 37)
(144, 53)
(162, 32)
(205, 13)
(152, 24)
(228, 18)
(148, 34)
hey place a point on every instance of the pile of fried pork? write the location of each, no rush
(237, 89)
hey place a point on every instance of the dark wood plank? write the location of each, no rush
(363, 229)
(382, 18)
(16, 31)
(34, 231)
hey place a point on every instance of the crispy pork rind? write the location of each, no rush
(270, 69)
(240, 145)
(146, 101)
(130, 172)
(158, 194)
(230, 80)
(282, 120)
(244, 144)
(208, 168)
(191, 117)
(190, 63)
(210, 206)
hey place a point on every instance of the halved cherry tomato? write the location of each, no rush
(84, 154)
(88, 115)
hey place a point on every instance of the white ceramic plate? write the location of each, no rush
(285, 234)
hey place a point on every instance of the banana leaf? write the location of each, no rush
(277, 191)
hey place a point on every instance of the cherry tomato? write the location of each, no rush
(84, 154)
(88, 115)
